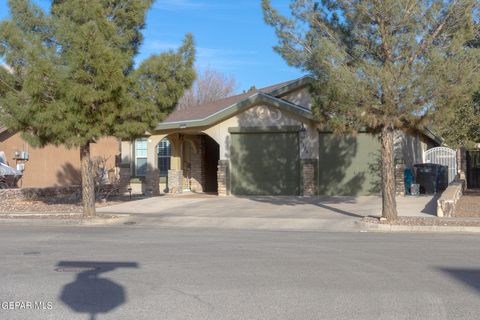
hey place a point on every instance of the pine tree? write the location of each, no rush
(381, 65)
(74, 79)
(460, 127)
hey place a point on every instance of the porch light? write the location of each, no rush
(302, 131)
(183, 126)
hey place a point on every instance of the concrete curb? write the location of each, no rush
(376, 227)
(250, 223)
(55, 219)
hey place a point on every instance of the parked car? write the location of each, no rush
(8, 176)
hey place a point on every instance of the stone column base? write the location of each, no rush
(223, 178)
(152, 182)
(125, 174)
(175, 181)
(308, 186)
(400, 179)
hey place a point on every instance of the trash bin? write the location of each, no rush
(408, 180)
(432, 178)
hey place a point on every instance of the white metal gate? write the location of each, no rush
(445, 157)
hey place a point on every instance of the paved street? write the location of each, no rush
(149, 272)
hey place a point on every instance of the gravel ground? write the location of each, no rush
(417, 221)
(53, 205)
(469, 204)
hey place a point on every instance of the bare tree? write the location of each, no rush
(209, 86)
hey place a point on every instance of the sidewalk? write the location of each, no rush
(419, 224)
(61, 219)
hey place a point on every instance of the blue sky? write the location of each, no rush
(230, 36)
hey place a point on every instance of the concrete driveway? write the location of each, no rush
(199, 210)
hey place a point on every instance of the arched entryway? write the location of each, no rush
(212, 156)
(188, 162)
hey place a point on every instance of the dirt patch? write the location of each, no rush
(418, 221)
(65, 204)
(469, 204)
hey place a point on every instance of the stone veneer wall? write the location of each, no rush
(400, 179)
(309, 177)
(40, 193)
(124, 176)
(197, 169)
(152, 182)
(175, 181)
(223, 178)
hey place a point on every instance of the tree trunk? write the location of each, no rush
(389, 204)
(88, 186)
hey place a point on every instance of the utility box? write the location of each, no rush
(432, 178)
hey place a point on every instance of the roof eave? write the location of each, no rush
(428, 133)
(299, 83)
(237, 107)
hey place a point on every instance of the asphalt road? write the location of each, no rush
(142, 272)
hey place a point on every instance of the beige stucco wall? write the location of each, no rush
(410, 147)
(54, 166)
(300, 97)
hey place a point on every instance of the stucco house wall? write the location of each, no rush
(51, 165)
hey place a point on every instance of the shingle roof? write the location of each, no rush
(207, 109)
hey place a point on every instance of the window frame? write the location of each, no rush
(136, 156)
(167, 155)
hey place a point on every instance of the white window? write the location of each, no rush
(164, 153)
(140, 157)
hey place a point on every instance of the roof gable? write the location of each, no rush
(257, 98)
(220, 109)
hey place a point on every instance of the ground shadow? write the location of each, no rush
(469, 277)
(431, 206)
(319, 201)
(89, 293)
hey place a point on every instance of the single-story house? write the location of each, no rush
(52, 166)
(262, 142)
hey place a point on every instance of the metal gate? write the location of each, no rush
(445, 157)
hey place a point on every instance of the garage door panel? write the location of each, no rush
(264, 164)
(349, 165)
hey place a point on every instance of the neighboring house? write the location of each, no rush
(52, 166)
(263, 142)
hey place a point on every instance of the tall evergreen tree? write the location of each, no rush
(460, 127)
(382, 65)
(74, 79)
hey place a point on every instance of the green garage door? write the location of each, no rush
(349, 166)
(265, 163)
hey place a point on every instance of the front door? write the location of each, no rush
(473, 169)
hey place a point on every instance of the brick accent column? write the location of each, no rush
(309, 177)
(223, 178)
(152, 182)
(400, 179)
(175, 181)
